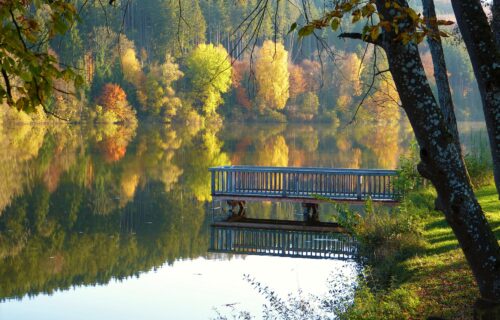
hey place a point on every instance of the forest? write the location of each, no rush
(147, 60)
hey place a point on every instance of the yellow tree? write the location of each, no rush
(271, 72)
(131, 67)
(349, 84)
(157, 95)
(383, 105)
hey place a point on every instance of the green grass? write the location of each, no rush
(435, 279)
(441, 277)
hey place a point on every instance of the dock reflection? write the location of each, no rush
(267, 237)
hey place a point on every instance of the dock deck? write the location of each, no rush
(306, 185)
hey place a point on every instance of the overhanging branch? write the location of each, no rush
(7, 87)
(358, 36)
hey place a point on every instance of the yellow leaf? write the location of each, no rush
(368, 10)
(347, 7)
(337, 14)
(356, 15)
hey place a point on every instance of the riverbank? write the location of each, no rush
(442, 279)
(434, 279)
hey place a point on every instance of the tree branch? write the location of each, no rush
(18, 29)
(7, 87)
(358, 36)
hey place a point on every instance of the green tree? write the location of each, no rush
(156, 94)
(209, 73)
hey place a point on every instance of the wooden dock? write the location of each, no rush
(305, 185)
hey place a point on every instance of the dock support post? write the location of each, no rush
(308, 216)
(234, 203)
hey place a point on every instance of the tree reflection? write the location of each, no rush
(81, 206)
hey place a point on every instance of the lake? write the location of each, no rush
(112, 222)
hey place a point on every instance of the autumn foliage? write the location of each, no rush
(239, 77)
(271, 73)
(112, 150)
(114, 100)
(113, 145)
(112, 95)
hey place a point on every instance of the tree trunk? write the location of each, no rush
(440, 71)
(495, 23)
(441, 161)
(485, 58)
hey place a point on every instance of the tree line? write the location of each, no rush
(151, 55)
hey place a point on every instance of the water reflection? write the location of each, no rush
(82, 206)
(270, 238)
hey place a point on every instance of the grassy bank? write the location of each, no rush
(427, 277)
(442, 278)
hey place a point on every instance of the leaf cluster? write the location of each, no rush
(27, 67)
(405, 22)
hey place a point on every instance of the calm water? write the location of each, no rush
(112, 222)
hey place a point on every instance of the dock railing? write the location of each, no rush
(307, 183)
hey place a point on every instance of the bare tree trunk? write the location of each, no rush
(441, 161)
(485, 58)
(440, 71)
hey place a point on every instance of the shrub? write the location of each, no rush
(272, 116)
(306, 107)
(480, 170)
(408, 177)
(387, 237)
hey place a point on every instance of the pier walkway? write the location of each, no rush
(305, 185)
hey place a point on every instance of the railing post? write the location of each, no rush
(284, 185)
(213, 182)
(230, 181)
(358, 186)
(296, 182)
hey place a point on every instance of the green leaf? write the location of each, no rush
(305, 31)
(26, 76)
(335, 24)
(292, 27)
